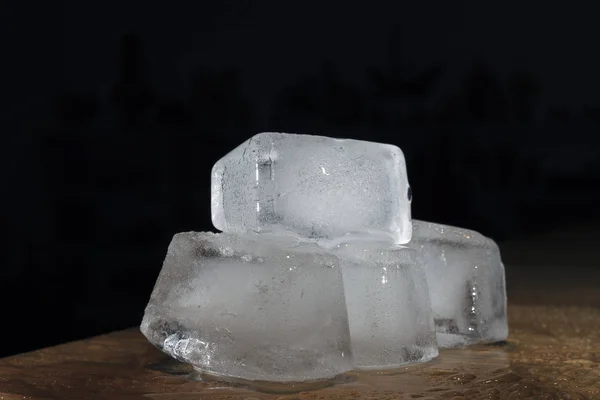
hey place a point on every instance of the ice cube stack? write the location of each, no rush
(315, 273)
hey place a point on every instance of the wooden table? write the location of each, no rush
(553, 352)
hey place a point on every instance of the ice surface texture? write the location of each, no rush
(466, 281)
(316, 186)
(256, 308)
(389, 310)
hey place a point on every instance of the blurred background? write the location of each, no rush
(114, 113)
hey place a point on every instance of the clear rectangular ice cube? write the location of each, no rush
(466, 282)
(252, 307)
(389, 310)
(316, 186)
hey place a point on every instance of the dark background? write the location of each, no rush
(113, 115)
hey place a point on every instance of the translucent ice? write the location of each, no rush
(391, 322)
(316, 186)
(259, 308)
(466, 281)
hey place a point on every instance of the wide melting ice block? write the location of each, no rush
(466, 282)
(316, 186)
(256, 308)
(389, 310)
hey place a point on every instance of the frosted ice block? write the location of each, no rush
(389, 310)
(256, 308)
(316, 186)
(466, 282)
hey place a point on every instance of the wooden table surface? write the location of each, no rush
(553, 352)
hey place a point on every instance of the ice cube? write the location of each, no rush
(316, 186)
(466, 281)
(389, 311)
(256, 308)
